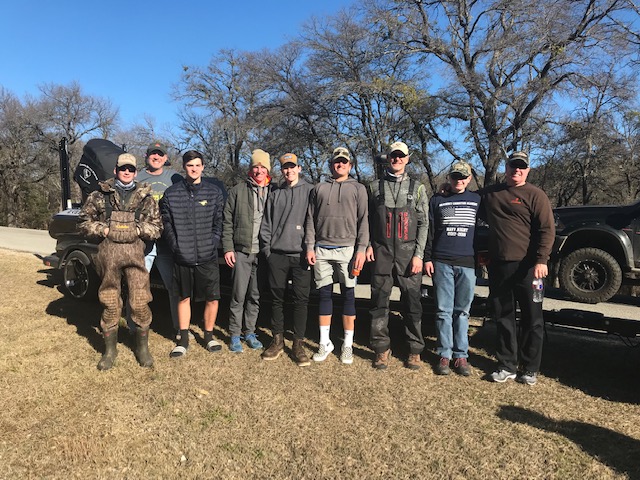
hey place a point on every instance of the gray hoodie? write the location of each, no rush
(282, 229)
(338, 215)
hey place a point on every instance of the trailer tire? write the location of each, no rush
(80, 278)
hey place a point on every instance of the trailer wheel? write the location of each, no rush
(590, 275)
(80, 278)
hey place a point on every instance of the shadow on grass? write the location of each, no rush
(85, 316)
(597, 364)
(618, 451)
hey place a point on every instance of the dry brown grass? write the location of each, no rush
(234, 416)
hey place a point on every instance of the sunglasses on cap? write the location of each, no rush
(340, 160)
(128, 168)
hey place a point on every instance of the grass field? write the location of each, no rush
(234, 416)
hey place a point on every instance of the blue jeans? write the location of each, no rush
(454, 287)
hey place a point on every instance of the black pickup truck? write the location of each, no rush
(597, 249)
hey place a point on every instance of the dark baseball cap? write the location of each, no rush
(159, 147)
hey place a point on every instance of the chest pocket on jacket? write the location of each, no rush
(122, 227)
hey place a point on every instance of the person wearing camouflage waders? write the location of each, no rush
(123, 214)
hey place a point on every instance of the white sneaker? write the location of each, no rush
(346, 355)
(323, 352)
(502, 376)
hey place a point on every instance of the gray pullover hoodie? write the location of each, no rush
(282, 229)
(338, 215)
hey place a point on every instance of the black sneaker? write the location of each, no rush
(528, 378)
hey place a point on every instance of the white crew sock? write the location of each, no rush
(348, 338)
(324, 334)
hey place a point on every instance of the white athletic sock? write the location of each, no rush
(348, 338)
(324, 334)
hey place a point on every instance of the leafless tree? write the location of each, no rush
(220, 93)
(501, 62)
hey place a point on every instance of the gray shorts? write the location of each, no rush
(334, 263)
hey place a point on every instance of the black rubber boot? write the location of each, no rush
(142, 348)
(110, 352)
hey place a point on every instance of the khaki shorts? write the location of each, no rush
(334, 264)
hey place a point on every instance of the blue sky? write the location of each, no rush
(132, 51)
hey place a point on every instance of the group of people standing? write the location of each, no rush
(278, 236)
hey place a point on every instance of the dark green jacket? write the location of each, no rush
(237, 226)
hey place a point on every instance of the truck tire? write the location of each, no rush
(80, 278)
(590, 275)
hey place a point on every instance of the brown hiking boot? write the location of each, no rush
(413, 361)
(443, 367)
(382, 360)
(275, 349)
(299, 355)
(462, 367)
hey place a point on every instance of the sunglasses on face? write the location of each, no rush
(343, 161)
(457, 176)
(128, 168)
(518, 164)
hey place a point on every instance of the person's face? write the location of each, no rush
(259, 174)
(126, 173)
(156, 160)
(397, 162)
(193, 170)
(340, 168)
(458, 182)
(291, 173)
(517, 173)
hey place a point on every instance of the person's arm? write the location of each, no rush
(168, 234)
(217, 216)
(150, 223)
(266, 226)
(227, 221)
(227, 228)
(362, 239)
(310, 228)
(422, 208)
(370, 253)
(90, 223)
(546, 233)
(428, 248)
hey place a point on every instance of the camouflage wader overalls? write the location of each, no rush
(131, 218)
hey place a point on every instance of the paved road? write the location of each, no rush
(26, 240)
(39, 242)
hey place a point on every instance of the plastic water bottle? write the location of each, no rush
(538, 290)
